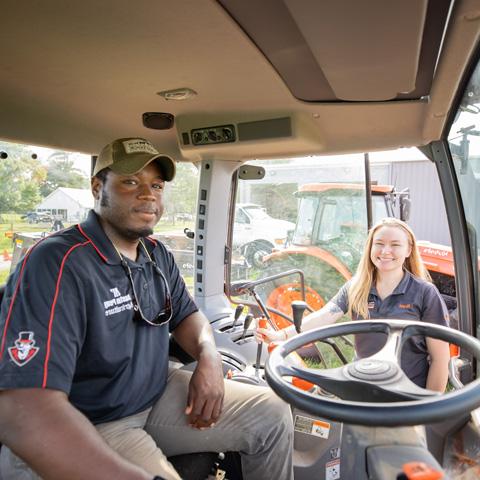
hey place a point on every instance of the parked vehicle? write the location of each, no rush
(256, 233)
(37, 217)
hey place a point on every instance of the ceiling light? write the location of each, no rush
(178, 94)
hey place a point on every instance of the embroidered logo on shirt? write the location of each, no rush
(24, 349)
(119, 303)
(404, 305)
(371, 305)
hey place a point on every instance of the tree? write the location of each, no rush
(21, 175)
(62, 173)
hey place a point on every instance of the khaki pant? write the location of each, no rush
(254, 422)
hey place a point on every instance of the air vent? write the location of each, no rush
(212, 135)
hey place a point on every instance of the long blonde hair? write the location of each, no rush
(366, 272)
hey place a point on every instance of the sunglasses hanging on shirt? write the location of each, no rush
(165, 315)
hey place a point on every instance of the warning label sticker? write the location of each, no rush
(311, 426)
(332, 470)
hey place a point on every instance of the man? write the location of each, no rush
(93, 396)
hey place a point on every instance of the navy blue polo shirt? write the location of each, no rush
(413, 299)
(67, 322)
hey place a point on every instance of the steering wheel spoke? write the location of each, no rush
(391, 351)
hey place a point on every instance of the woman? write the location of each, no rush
(390, 282)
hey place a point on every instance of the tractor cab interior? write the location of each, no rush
(324, 117)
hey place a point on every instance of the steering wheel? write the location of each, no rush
(373, 391)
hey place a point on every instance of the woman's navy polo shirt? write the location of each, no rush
(413, 299)
(67, 322)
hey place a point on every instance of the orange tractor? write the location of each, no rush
(328, 241)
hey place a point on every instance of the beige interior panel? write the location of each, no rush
(76, 75)
(366, 54)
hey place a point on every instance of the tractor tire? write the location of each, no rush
(322, 282)
(255, 251)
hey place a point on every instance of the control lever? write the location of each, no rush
(238, 312)
(246, 324)
(298, 309)
(262, 323)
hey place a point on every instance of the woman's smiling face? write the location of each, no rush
(390, 248)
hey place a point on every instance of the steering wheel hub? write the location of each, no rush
(372, 370)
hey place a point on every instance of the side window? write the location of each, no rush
(180, 213)
(42, 190)
(328, 228)
(45, 190)
(305, 222)
(464, 142)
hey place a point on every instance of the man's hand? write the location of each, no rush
(206, 390)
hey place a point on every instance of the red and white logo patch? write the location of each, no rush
(24, 349)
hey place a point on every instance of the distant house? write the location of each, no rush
(71, 204)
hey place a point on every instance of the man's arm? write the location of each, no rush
(56, 440)
(206, 390)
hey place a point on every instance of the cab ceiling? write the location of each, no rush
(351, 75)
(334, 51)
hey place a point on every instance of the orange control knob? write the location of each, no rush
(272, 346)
(420, 471)
(454, 350)
(302, 384)
(262, 323)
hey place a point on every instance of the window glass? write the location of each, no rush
(45, 190)
(180, 212)
(310, 215)
(304, 229)
(464, 142)
(298, 205)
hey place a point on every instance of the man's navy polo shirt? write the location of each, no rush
(412, 299)
(67, 322)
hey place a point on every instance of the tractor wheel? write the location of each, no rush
(281, 298)
(322, 282)
(255, 251)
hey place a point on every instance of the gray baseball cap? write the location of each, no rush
(127, 156)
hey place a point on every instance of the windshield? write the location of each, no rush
(317, 219)
(314, 219)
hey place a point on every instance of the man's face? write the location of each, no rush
(130, 205)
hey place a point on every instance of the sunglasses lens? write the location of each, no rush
(161, 318)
